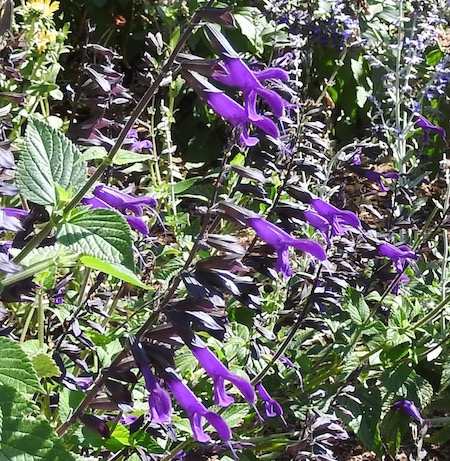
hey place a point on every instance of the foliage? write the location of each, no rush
(220, 220)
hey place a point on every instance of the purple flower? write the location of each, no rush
(6, 265)
(138, 145)
(126, 420)
(6, 160)
(159, 400)
(271, 406)
(195, 409)
(318, 222)
(83, 383)
(408, 407)
(238, 74)
(110, 198)
(281, 241)
(219, 373)
(336, 217)
(403, 278)
(123, 201)
(229, 109)
(399, 255)
(375, 177)
(428, 127)
(10, 219)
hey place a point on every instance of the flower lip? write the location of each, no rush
(281, 241)
(195, 410)
(408, 407)
(219, 373)
(271, 406)
(428, 127)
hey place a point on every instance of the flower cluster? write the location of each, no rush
(232, 71)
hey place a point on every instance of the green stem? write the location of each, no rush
(142, 104)
(424, 320)
(23, 335)
(41, 318)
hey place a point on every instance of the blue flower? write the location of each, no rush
(408, 407)
(271, 406)
(219, 373)
(195, 410)
(281, 241)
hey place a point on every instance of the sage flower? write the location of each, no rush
(399, 255)
(271, 406)
(195, 410)
(158, 400)
(238, 74)
(111, 198)
(229, 109)
(281, 241)
(408, 407)
(10, 219)
(138, 145)
(336, 217)
(421, 122)
(375, 177)
(219, 373)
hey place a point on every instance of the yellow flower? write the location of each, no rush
(43, 38)
(45, 7)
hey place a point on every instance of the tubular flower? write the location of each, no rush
(421, 122)
(10, 219)
(318, 222)
(399, 255)
(219, 373)
(271, 406)
(108, 197)
(336, 217)
(195, 409)
(229, 109)
(159, 400)
(281, 241)
(138, 145)
(375, 177)
(408, 407)
(237, 74)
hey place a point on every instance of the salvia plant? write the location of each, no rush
(224, 229)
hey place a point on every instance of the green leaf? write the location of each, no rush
(16, 369)
(103, 234)
(116, 270)
(357, 307)
(445, 377)
(48, 158)
(235, 413)
(181, 186)
(45, 366)
(23, 437)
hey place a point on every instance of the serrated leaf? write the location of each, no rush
(45, 366)
(16, 369)
(357, 307)
(445, 377)
(26, 438)
(103, 234)
(181, 186)
(116, 270)
(235, 413)
(48, 158)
